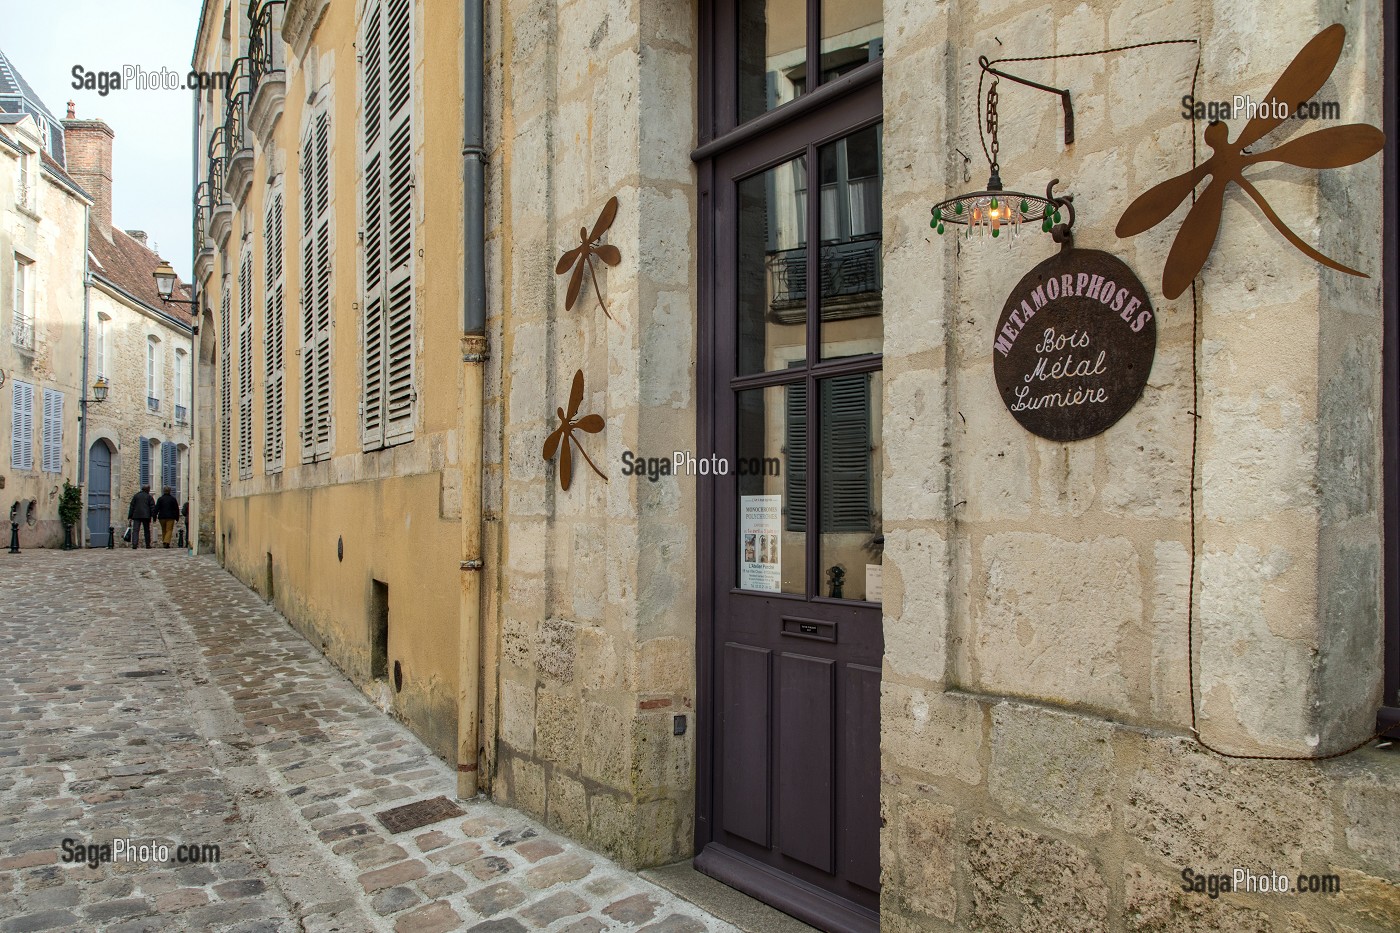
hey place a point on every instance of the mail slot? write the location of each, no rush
(809, 628)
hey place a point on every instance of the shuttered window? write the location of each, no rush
(21, 425)
(170, 467)
(52, 456)
(316, 291)
(245, 366)
(274, 332)
(388, 320)
(225, 387)
(145, 462)
(844, 454)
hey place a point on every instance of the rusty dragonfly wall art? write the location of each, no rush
(1333, 147)
(563, 440)
(584, 254)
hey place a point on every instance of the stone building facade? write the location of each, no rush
(42, 215)
(138, 344)
(1031, 695)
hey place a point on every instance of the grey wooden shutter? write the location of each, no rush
(22, 426)
(308, 299)
(845, 453)
(225, 386)
(52, 455)
(795, 447)
(144, 479)
(274, 334)
(372, 77)
(323, 288)
(245, 366)
(170, 467)
(387, 76)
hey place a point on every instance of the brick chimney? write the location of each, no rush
(88, 145)
(138, 235)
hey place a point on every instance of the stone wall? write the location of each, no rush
(1038, 764)
(595, 605)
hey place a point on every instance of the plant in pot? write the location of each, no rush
(70, 510)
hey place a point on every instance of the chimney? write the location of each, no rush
(139, 236)
(88, 145)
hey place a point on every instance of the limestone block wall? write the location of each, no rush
(1038, 765)
(594, 611)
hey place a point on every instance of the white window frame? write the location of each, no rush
(102, 320)
(153, 373)
(22, 303)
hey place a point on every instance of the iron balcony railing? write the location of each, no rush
(218, 153)
(847, 269)
(180, 414)
(236, 114)
(262, 42)
(153, 403)
(23, 331)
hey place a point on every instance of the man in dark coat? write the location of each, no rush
(143, 509)
(167, 513)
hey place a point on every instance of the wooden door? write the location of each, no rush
(99, 508)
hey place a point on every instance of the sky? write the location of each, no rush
(151, 172)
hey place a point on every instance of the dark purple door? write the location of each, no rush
(790, 758)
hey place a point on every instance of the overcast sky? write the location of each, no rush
(151, 176)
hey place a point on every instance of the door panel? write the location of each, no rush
(805, 759)
(99, 516)
(746, 717)
(860, 769)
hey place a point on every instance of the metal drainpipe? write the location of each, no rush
(83, 386)
(473, 420)
(191, 479)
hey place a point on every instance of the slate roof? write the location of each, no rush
(16, 97)
(128, 265)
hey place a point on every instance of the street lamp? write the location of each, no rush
(165, 285)
(99, 392)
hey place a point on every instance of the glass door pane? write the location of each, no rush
(772, 38)
(852, 34)
(771, 472)
(848, 452)
(850, 258)
(772, 278)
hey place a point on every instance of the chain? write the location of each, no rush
(992, 126)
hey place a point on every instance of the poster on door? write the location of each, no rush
(760, 543)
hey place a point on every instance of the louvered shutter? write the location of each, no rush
(308, 300)
(170, 467)
(52, 452)
(225, 386)
(22, 426)
(387, 408)
(795, 450)
(145, 470)
(245, 367)
(274, 333)
(372, 410)
(845, 453)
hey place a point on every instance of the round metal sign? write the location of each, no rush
(1074, 345)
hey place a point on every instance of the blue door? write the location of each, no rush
(99, 494)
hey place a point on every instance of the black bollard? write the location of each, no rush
(14, 537)
(111, 538)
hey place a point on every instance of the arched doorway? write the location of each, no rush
(99, 513)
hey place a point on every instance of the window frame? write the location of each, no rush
(22, 303)
(153, 373)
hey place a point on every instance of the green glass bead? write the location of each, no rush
(938, 213)
(994, 203)
(958, 207)
(1057, 215)
(1025, 206)
(940, 228)
(996, 232)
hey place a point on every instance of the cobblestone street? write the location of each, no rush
(151, 696)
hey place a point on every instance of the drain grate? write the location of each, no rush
(420, 813)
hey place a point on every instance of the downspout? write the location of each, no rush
(83, 386)
(192, 490)
(473, 420)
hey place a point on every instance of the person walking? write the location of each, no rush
(143, 509)
(167, 513)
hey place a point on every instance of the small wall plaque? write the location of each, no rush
(1074, 345)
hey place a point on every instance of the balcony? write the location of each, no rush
(152, 404)
(267, 76)
(203, 245)
(220, 216)
(850, 281)
(238, 169)
(181, 415)
(22, 329)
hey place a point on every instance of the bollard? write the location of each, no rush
(111, 538)
(14, 537)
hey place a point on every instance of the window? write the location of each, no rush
(170, 467)
(181, 416)
(21, 425)
(225, 386)
(153, 374)
(245, 366)
(22, 319)
(316, 290)
(25, 197)
(274, 334)
(102, 320)
(386, 79)
(52, 456)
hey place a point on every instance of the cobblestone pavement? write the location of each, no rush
(151, 696)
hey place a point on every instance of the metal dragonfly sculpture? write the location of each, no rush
(563, 437)
(1327, 148)
(582, 255)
